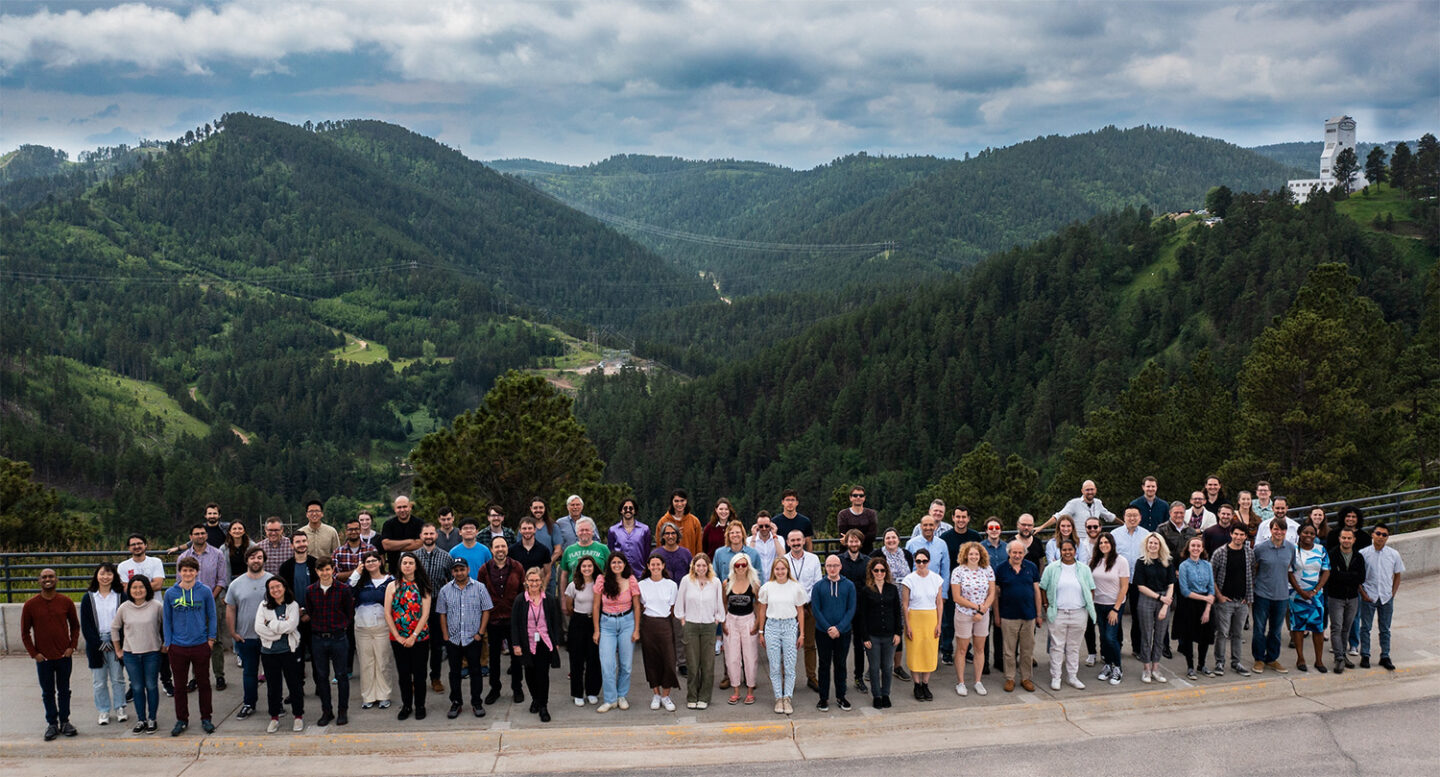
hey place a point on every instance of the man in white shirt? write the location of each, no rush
(1281, 509)
(1129, 543)
(153, 568)
(766, 544)
(1087, 505)
(1377, 594)
(806, 570)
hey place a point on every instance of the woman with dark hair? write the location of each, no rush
(921, 595)
(138, 635)
(237, 547)
(1111, 573)
(1316, 517)
(407, 610)
(657, 634)
(712, 537)
(1245, 514)
(1068, 593)
(1308, 574)
(878, 627)
(584, 648)
(534, 634)
(1194, 612)
(97, 614)
(277, 624)
(1065, 529)
(372, 631)
(616, 630)
(901, 563)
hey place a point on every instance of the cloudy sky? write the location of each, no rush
(798, 83)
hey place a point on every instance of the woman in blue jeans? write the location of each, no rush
(97, 614)
(137, 633)
(1112, 583)
(617, 629)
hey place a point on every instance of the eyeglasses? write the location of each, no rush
(922, 561)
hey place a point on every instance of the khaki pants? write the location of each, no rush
(372, 656)
(217, 653)
(1019, 638)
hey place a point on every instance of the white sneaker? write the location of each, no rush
(1160, 678)
(623, 703)
(960, 689)
(1354, 651)
(655, 701)
(238, 662)
(1104, 674)
(593, 699)
(1090, 660)
(980, 689)
(299, 725)
(1145, 676)
(1075, 683)
(605, 707)
(1054, 683)
(701, 705)
(718, 648)
(669, 705)
(1115, 677)
(120, 716)
(104, 718)
(273, 727)
(579, 701)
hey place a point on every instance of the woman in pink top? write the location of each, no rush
(535, 637)
(617, 629)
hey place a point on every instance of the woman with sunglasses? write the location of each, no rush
(878, 627)
(921, 593)
(742, 641)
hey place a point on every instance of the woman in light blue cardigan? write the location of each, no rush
(1068, 589)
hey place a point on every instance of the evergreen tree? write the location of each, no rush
(1375, 166)
(983, 483)
(1347, 166)
(1400, 163)
(30, 517)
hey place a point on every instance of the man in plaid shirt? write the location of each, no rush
(352, 551)
(276, 545)
(436, 563)
(331, 608)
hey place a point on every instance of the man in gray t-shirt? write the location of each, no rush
(242, 600)
(1273, 557)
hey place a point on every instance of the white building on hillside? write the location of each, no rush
(1339, 135)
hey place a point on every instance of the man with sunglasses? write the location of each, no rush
(1377, 595)
(861, 518)
(630, 537)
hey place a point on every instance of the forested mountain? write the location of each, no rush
(942, 214)
(1305, 155)
(1014, 352)
(31, 173)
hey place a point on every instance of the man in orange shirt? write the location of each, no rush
(690, 529)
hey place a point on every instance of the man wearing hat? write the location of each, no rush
(464, 609)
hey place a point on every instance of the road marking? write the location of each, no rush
(1424, 654)
(1181, 682)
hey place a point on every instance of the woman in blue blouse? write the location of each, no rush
(1308, 574)
(1194, 621)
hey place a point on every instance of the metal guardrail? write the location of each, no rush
(1402, 511)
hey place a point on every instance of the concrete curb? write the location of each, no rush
(711, 743)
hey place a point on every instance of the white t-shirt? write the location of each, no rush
(923, 589)
(658, 596)
(1068, 594)
(782, 600)
(151, 567)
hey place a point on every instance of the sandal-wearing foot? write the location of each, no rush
(735, 698)
(749, 698)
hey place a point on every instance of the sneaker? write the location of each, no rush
(51, 731)
(947, 660)
(104, 718)
(299, 725)
(169, 689)
(843, 704)
(604, 708)
(1239, 669)
(1339, 666)
(718, 648)
(1207, 671)
(1191, 676)
(1349, 664)
(1219, 670)
(623, 703)
(655, 701)
(1354, 651)
(823, 705)
(369, 705)
(1115, 677)
(1104, 673)
(901, 672)
(1075, 683)
(273, 727)
(592, 699)
(980, 689)
(1159, 678)
(960, 689)
(207, 726)
(1145, 676)
(479, 710)
(1090, 660)
(1054, 683)
(702, 705)
(151, 727)
(452, 714)
(579, 701)
(779, 706)
(179, 728)
(383, 704)
(669, 705)
(692, 705)
(139, 727)
(860, 685)
(120, 716)
(1258, 668)
(1277, 666)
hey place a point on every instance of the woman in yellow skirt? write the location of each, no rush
(920, 595)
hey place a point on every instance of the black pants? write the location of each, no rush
(997, 642)
(537, 676)
(287, 666)
(327, 651)
(1135, 618)
(498, 635)
(54, 676)
(584, 657)
(859, 657)
(410, 666)
(438, 647)
(457, 656)
(947, 629)
(832, 652)
(1090, 637)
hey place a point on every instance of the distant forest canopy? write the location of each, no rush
(942, 214)
(1305, 154)
(259, 313)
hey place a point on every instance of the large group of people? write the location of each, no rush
(485, 601)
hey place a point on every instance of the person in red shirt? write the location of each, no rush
(50, 629)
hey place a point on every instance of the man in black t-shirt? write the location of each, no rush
(530, 553)
(790, 519)
(399, 534)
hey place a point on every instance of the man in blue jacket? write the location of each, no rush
(190, 629)
(832, 599)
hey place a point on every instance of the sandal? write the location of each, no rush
(749, 698)
(735, 698)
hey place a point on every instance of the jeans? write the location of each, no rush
(1229, 627)
(410, 667)
(832, 652)
(460, 654)
(1342, 614)
(881, 655)
(249, 652)
(109, 683)
(55, 688)
(184, 659)
(780, 636)
(282, 671)
(437, 646)
(617, 654)
(1067, 631)
(326, 652)
(1110, 634)
(1269, 622)
(700, 657)
(1367, 615)
(144, 671)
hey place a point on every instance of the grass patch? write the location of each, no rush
(143, 406)
(1151, 276)
(1379, 200)
(360, 351)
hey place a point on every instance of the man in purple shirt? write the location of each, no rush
(630, 536)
